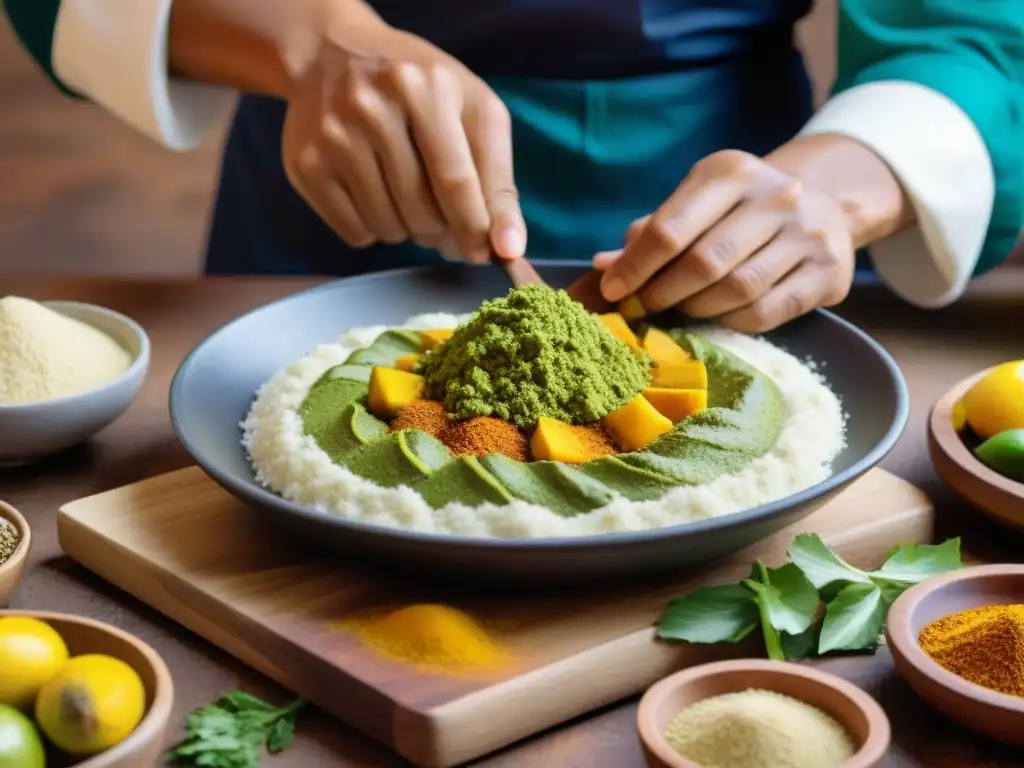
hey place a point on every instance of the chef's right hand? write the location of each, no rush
(390, 139)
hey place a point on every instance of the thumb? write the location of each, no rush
(508, 229)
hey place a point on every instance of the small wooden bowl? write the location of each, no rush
(996, 715)
(984, 488)
(12, 568)
(850, 706)
(145, 745)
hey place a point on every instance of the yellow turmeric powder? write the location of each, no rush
(983, 645)
(434, 638)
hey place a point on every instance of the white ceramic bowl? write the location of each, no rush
(31, 431)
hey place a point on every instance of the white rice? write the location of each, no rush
(291, 464)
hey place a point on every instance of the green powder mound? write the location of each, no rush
(534, 353)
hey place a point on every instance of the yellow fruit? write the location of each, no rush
(31, 652)
(93, 703)
(996, 403)
(959, 416)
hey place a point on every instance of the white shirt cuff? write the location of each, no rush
(114, 52)
(940, 159)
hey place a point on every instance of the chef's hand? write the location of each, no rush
(390, 139)
(739, 241)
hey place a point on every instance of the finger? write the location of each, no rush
(696, 205)
(385, 128)
(748, 282)
(604, 259)
(436, 119)
(715, 254)
(490, 137)
(352, 159)
(330, 201)
(587, 291)
(635, 229)
(796, 295)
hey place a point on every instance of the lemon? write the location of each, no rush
(31, 652)
(996, 403)
(959, 416)
(93, 703)
(20, 745)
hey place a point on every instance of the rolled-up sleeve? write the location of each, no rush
(936, 89)
(114, 53)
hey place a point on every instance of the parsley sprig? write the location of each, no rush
(814, 604)
(231, 732)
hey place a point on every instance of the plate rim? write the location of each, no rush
(719, 525)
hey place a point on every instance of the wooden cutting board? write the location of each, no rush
(187, 548)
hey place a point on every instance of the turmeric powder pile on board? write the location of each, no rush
(436, 638)
(983, 645)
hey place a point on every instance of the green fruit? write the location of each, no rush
(20, 745)
(1004, 453)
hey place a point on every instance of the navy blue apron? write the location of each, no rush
(612, 102)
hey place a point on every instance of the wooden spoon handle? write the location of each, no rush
(521, 272)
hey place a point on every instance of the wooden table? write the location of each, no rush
(935, 349)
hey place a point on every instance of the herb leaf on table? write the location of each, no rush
(724, 614)
(787, 596)
(821, 565)
(854, 619)
(914, 563)
(786, 602)
(231, 732)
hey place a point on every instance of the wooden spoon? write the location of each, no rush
(520, 271)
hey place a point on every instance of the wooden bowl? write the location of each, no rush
(984, 488)
(997, 715)
(12, 568)
(145, 745)
(849, 705)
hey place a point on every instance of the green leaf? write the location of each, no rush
(914, 563)
(281, 735)
(854, 620)
(802, 646)
(821, 565)
(723, 614)
(787, 597)
(230, 733)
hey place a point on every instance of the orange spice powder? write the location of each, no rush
(479, 436)
(596, 440)
(426, 415)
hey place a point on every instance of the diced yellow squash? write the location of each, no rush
(661, 348)
(406, 362)
(620, 329)
(677, 404)
(434, 338)
(688, 374)
(631, 308)
(636, 424)
(391, 390)
(555, 440)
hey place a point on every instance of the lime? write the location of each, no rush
(996, 402)
(20, 745)
(1004, 453)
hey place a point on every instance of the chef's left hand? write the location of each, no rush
(739, 241)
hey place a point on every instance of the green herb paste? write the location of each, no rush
(745, 414)
(533, 353)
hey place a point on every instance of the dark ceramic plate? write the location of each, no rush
(214, 388)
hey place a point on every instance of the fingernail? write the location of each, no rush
(604, 259)
(613, 288)
(511, 243)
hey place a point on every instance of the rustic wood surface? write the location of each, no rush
(935, 349)
(274, 603)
